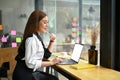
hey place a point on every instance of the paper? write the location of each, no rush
(14, 44)
(82, 66)
(74, 24)
(1, 28)
(18, 39)
(4, 39)
(13, 32)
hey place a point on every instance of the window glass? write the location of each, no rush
(64, 22)
(72, 21)
(90, 25)
(13, 18)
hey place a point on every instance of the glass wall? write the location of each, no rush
(73, 21)
(14, 15)
(90, 25)
(64, 22)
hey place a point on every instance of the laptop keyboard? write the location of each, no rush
(69, 61)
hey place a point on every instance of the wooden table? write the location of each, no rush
(87, 72)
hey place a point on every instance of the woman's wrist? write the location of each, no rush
(51, 63)
(51, 41)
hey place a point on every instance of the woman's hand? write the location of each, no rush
(52, 37)
(57, 60)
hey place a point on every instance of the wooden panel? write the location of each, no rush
(8, 54)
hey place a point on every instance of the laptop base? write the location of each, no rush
(68, 61)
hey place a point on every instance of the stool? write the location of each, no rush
(3, 70)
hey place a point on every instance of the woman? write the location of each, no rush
(32, 51)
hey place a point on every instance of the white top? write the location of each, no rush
(34, 52)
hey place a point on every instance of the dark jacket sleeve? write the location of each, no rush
(47, 53)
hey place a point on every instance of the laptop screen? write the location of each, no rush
(77, 50)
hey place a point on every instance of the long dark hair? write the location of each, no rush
(33, 22)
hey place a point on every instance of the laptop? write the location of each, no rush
(75, 56)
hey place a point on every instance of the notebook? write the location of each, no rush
(75, 56)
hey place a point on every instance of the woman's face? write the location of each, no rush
(43, 25)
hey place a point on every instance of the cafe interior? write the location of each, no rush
(91, 23)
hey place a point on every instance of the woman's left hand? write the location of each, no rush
(57, 60)
(52, 37)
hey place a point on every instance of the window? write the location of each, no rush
(13, 18)
(72, 21)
